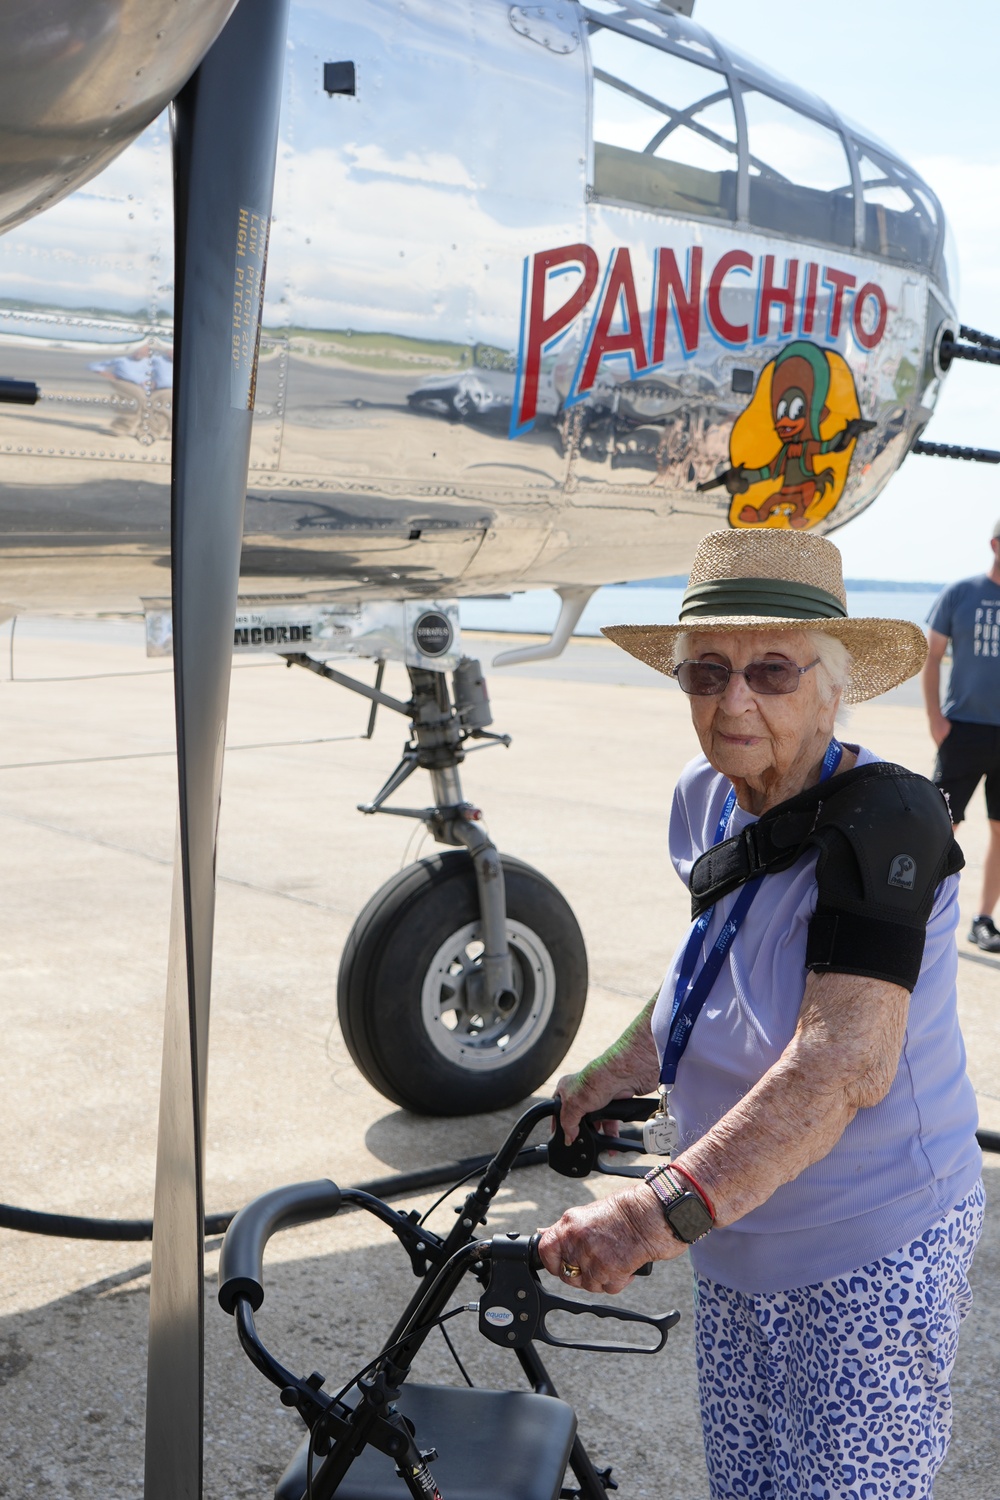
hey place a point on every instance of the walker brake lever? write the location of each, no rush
(514, 1306)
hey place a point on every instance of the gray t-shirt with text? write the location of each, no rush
(969, 612)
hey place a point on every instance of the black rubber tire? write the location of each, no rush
(389, 952)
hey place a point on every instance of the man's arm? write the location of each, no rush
(930, 678)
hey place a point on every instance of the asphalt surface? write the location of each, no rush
(86, 842)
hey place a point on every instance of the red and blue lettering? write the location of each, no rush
(780, 295)
(538, 331)
(671, 291)
(865, 337)
(617, 296)
(734, 334)
(625, 326)
(839, 282)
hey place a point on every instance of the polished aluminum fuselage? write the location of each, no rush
(79, 79)
(408, 222)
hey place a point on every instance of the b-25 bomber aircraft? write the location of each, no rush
(551, 291)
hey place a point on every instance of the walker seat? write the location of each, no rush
(492, 1445)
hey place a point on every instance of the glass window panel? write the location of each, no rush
(664, 131)
(889, 195)
(676, 29)
(800, 178)
(929, 206)
(900, 215)
(683, 34)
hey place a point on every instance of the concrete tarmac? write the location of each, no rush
(87, 815)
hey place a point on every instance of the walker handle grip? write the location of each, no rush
(241, 1269)
(582, 1157)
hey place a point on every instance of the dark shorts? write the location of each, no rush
(970, 752)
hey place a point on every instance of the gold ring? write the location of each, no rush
(569, 1270)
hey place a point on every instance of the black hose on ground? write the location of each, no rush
(401, 1185)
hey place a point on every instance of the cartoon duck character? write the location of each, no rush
(800, 385)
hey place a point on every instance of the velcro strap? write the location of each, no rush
(778, 838)
(844, 943)
(720, 869)
(761, 848)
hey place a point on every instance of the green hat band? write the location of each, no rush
(776, 598)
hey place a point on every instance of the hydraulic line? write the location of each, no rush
(403, 1184)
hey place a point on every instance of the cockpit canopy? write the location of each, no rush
(684, 125)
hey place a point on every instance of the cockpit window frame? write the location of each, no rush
(738, 74)
(829, 122)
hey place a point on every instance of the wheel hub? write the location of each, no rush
(467, 1026)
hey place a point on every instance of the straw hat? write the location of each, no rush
(771, 579)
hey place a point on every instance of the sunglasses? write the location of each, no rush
(707, 679)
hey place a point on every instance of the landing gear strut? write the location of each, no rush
(463, 981)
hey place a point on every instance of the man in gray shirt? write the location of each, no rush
(966, 727)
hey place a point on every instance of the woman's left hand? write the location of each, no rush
(609, 1240)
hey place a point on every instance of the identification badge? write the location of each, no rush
(660, 1133)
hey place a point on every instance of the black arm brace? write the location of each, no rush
(885, 843)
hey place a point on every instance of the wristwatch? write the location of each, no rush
(686, 1212)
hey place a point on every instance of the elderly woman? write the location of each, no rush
(826, 1174)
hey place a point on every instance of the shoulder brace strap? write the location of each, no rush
(777, 839)
(885, 843)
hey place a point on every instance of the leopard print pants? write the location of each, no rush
(838, 1391)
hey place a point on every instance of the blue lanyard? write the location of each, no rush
(691, 992)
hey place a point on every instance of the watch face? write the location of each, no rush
(689, 1218)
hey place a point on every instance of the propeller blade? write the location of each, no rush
(225, 137)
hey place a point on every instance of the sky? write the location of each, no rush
(917, 75)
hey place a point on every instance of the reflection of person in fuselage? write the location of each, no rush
(799, 387)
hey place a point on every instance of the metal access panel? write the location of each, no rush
(420, 633)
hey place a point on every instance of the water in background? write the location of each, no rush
(635, 604)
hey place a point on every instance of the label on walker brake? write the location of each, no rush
(500, 1317)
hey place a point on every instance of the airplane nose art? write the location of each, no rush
(76, 88)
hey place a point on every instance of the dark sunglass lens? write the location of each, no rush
(702, 679)
(772, 676)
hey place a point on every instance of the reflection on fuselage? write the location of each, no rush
(475, 371)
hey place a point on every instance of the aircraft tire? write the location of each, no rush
(405, 964)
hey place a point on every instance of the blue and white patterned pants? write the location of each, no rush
(838, 1391)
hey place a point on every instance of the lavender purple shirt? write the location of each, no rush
(901, 1164)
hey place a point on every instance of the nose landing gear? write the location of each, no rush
(463, 980)
(414, 1006)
